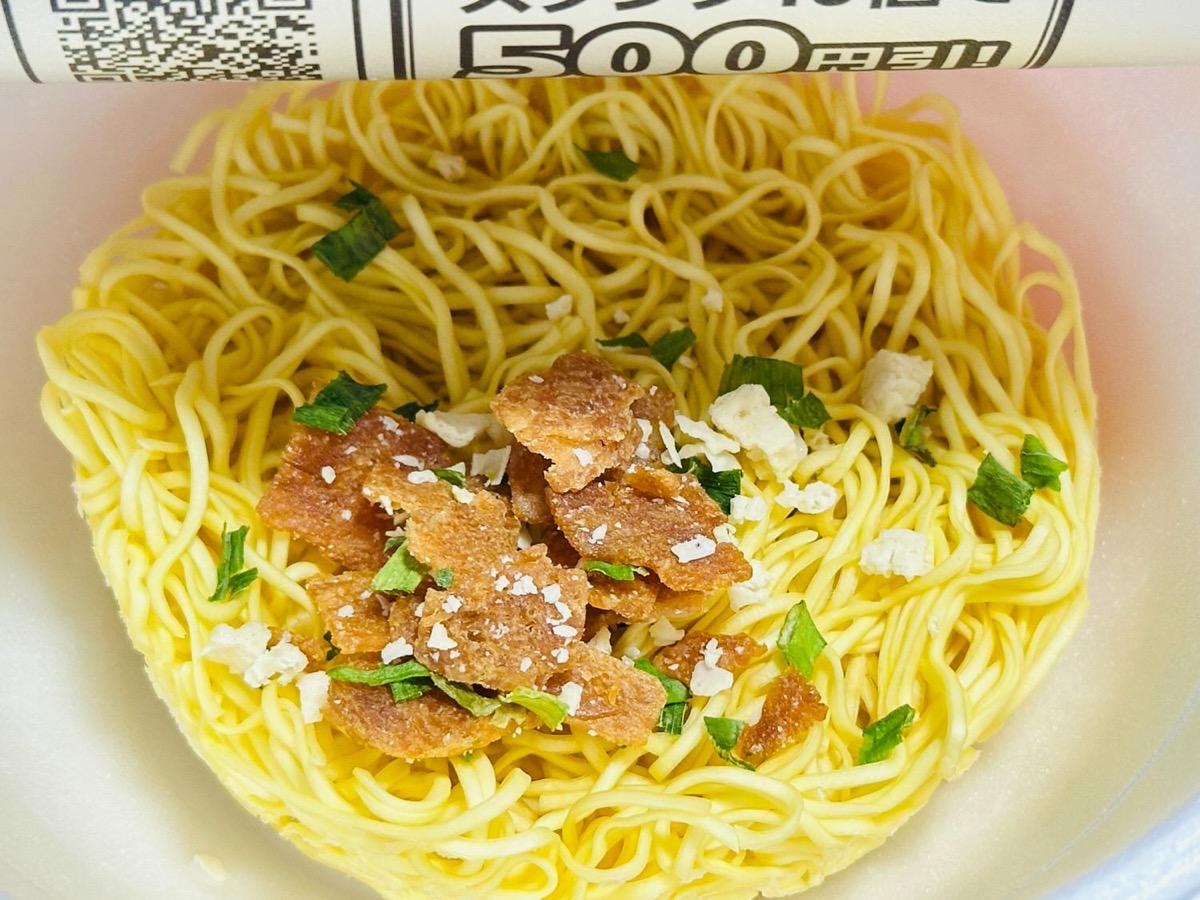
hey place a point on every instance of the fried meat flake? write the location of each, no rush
(527, 482)
(355, 616)
(577, 414)
(618, 703)
(513, 624)
(654, 518)
(680, 659)
(317, 491)
(427, 726)
(791, 708)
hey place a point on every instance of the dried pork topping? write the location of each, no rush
(527, 482)
(399, 489)
(427, 726)
(577, 414)
(649, 512)
(522, 607)
(332, 514)
(736, 651)
(462, 536)
(617, 702)
(355, 616)
(792, 706)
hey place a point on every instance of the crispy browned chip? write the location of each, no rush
(403, 618)
(679, 659)
(527, 481)
(317, 490)
(458, 535)
(654, 518)
(791, 708)
(511, 625)
(618, 702)
(405, 491)
(429, 725)
(354, 615)
(577, 414)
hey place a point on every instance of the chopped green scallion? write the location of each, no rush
(880, 738)
(799, 640)
(231, 578)
(1038, 467)
(339, 405)
(999, 493)
(612, 164)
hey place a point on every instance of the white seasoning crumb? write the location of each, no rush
(407, 459)
(746, 414)
(747, 509)
(552, 593)
(237, 648)
(620, 316)
(598, 533)
(491, 465)
(646, 427)
(526, 662)
(642, 451)
(662, 633)
(671, 452)
(537, 379)
(449, 165)
(687, 362)
(524, 585)
(559, 308)
(571, 694)
(452, 603)
(394, 650)
(345, 612)
(602, 640)
(710, 441)
(585, 458)
(713, 300)
(462, 495)
(755, 589)
(524, 539)
(389, 424)
(707, 677)
(456, 429)
(353, 448)
(328, 473)
(213, 867)
(419, 609)
(280, 664)
(564, 611)
(565, 631)
(386, 502)
(502, 583)
(898, 551)
(560, 654)
(439, 638)
(347, 515)
(724, 534)
(422, 476)
(698, 547)
(814, 499)
(314, 695)
(892, 383)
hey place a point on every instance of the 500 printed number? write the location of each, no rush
(641, 48)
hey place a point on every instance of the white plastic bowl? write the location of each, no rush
(1091, 790)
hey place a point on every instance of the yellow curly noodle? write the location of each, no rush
(832, 229)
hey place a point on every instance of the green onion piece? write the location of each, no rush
(807, 412)
(882, 737)
(339, 405)
(545, 706)
(443, 578)
(676, 690)
(409, 690)
(724, 734)
(634, 340)
(333, 651)
(999, 493)
(451, 476)
(400, 574)
(472, 702)
(721, 486)
(393, 542)
(912, 436)
(1038, 467)
(347, 250)
(783, 380)
(670, 719)
(380, 675)
(612, 164)
(672, 345)
(409, 410)
(615, 571)
(799, 640)
(231, 580)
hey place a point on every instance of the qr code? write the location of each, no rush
(187, 40)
